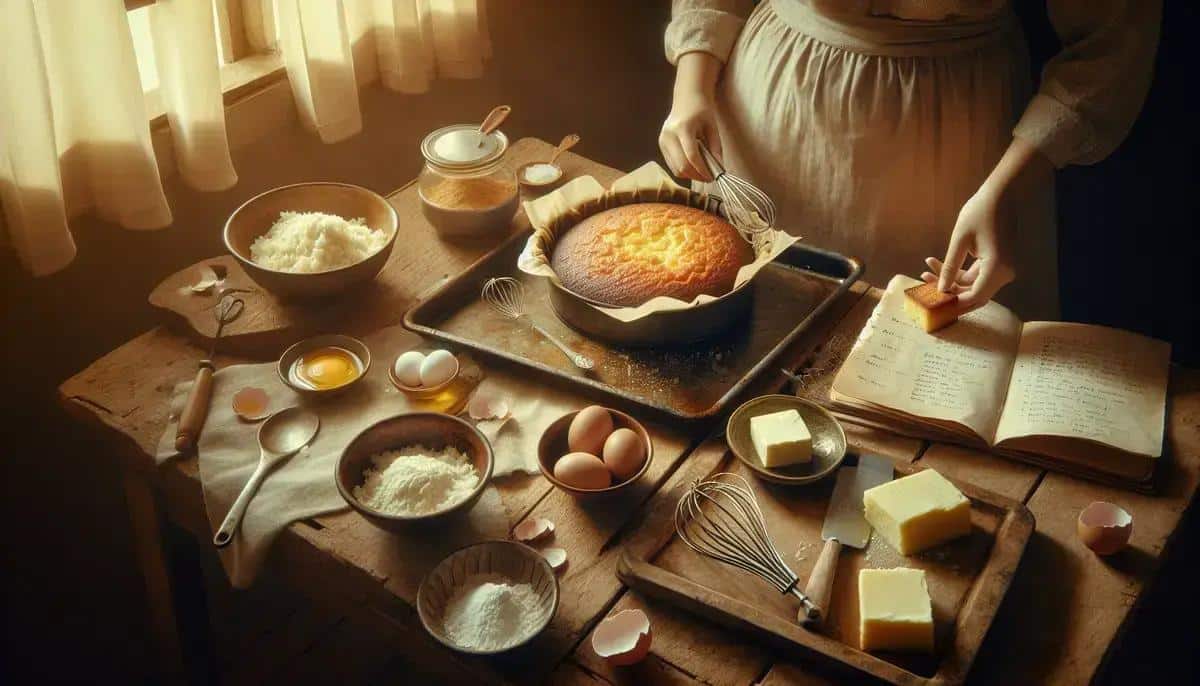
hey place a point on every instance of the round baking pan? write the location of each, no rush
(670, 327)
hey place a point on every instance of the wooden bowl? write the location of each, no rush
(289, 357)
(828, 439)
(431, 429)
(543, 186)
(553, 445)
(423, 392)
(256, 215)
(513, 561)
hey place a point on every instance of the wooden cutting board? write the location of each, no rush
(268, 325)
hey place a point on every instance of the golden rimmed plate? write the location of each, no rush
(828, 439)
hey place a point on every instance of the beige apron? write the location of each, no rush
(870, 133)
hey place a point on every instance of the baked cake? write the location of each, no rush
(931, 308)
(629, 254)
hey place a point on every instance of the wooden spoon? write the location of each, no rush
(567, 143)
(493, 121)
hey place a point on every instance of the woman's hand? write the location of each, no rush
(693, 116)
(986, 229)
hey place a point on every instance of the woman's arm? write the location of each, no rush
(692, 116)
(698, 41)
(1090, 95)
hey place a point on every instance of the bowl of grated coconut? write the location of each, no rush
(412, 468)
(488, 597)
(312, 240)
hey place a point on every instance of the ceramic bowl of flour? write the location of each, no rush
(488, 598)
(414, 468)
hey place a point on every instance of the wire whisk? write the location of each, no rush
(506, 296)
(720, 518)
(746, 206)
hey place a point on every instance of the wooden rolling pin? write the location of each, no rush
(195, 411)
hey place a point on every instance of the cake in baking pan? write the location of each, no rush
(629, 254)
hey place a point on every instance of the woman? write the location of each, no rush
(889, 129)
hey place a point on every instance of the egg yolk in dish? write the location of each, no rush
(326, 368)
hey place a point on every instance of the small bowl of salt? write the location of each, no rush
(539, 176)
(488, 598)
(414, 468)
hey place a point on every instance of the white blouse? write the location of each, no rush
(1090, 93)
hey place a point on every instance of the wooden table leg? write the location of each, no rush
(146, 519)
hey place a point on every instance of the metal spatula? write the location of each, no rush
(844, 522)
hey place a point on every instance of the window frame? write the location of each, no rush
(244, 71)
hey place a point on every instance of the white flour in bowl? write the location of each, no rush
(416, 480)
(307, 242)
(489, 613)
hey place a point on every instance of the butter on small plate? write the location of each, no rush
(826, 440)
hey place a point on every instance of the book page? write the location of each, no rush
(959, 374)
(1090, 382)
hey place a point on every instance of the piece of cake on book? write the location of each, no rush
(1083, 399)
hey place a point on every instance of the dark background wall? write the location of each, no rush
(71, 590)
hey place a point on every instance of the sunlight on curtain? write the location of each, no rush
(74, 132)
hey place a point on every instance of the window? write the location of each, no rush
(245, 33)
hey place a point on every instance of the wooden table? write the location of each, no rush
(1061, 618)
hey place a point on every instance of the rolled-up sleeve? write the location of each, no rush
(710, 26)
(1093, 90)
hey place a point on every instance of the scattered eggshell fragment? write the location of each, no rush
(251, 403)
(209, 279)
(1104, 527)
(623, 638)
(487, 405)
(557, 557)
(533, 529)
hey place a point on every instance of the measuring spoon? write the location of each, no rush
(281, 436)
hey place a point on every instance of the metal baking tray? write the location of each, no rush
(690, 382)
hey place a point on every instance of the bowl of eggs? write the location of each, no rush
(594, 451)
(324, 365)
(424, 375)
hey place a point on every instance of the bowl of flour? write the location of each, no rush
(414, 468)
(488, 597)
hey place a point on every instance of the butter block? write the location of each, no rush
(894, 610)
(781, 438)
(931, 308)
(918, 511)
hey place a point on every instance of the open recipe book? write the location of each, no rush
(1083, 399)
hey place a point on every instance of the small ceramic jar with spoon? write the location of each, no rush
(542, 176)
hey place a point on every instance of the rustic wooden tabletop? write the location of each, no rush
(1061, 617)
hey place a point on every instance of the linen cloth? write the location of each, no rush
(870, 123)
(304, 486)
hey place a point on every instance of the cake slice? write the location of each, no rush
(931, 308)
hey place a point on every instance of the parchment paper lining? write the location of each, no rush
(554, 213)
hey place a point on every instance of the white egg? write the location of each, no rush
(439, 366)
(408, 368)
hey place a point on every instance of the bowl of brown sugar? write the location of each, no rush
(467, 190)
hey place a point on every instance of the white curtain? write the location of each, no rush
(74, 133)
(331, 47)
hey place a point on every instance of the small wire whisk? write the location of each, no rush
(720, 518)
(747, 206)
(506, 295)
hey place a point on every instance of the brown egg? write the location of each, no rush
(581, 470)
(589, 429)
(624, 453)
(1104, 527)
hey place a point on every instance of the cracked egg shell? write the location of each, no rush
(533, 529)
(487, 405)
(251, 404)
(623, 638)
(557, 557)
(1104, 527)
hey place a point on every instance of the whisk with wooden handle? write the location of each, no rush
(506, 295)
(746, 206)
(721, 519)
